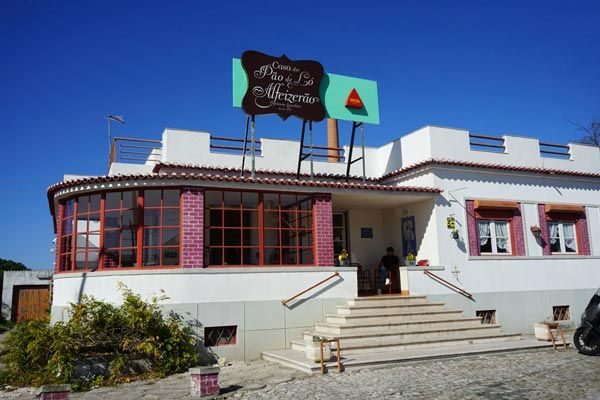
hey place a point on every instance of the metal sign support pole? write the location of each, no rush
(310, 135)
(350, 160)
(245, 146)
(252, 146)
(301, 156)
(362, 134)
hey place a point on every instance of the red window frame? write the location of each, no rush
(87, 232)
(65, 241)
(496, 215)
(284, 240)
(68, 247)
(573, 218)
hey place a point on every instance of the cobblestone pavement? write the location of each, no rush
(544, 374)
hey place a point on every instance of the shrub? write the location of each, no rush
(134, 340)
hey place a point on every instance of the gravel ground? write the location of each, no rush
(546, 374)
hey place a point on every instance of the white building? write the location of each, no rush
(227, 249)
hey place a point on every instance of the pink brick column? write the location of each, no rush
(517, 231)
(472, 228)
(583, 235)
(205, 382)
(323, 226)
(192, 227)
(544, 228)
(59, 224)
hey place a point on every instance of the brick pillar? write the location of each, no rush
(323, 224)
(192, 227)
(472, 228)
(517, 231)
(582, 235)
(544, 228)
(58, 217)
(205, 381)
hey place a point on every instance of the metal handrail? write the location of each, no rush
(450, 286)
(284, 302)
(339, 353)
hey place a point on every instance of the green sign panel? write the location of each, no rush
(334, 91)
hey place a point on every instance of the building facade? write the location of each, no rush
(513, 221)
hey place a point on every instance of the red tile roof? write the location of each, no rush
(473, 164)
(159, 166)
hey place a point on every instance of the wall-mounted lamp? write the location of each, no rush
(536, 231)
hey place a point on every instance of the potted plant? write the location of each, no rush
(344, 258)
(536, 231)
(410, 259)
(313, 350)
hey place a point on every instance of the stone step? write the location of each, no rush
(391, 317)
(425, 324)
(382, 338)
(297, 360)
(402, 345)
(387, 308)
(387, 300)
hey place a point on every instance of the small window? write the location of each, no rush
(561, 313)
(220, 335)
(494, 237)
(487, 316)
(562, 237)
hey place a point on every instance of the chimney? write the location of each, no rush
(333, 140)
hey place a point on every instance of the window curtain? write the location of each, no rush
(484, 232)
(502, 236)
(554, 237)
(569, 233)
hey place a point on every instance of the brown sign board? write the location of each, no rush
(278, 85)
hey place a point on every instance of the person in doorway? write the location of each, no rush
(386, 264)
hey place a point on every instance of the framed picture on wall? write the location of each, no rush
(366, 233)
(409, 236)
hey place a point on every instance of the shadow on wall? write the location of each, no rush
(296, 303)
(207, 356)
(460, 242)
(394, 160)
(423, 212)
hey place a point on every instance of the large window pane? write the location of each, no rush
(130, 199)
(232, 199)
(151, 257)
(152, 237)
(112, 201)
(170, 237)
(152, 217)
(170, 256)
(151, 198)
(170, 198)
(170, 217)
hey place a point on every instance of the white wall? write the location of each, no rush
(505, 274)
(205, 285)
(367, 252)
(190, 147)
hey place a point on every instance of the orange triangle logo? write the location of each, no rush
(354, 100)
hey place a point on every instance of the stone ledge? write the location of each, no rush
(205, 370)
(53, 389)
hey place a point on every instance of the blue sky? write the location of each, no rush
(507, 67)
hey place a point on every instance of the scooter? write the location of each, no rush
(587, 336)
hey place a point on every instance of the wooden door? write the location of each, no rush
(30, 302)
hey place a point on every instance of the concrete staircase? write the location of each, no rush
(379, 326)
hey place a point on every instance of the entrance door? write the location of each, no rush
(30, 302)
(340, 240)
